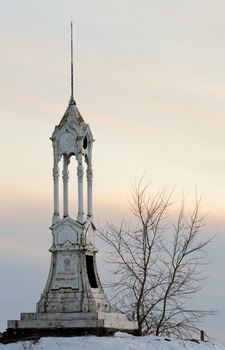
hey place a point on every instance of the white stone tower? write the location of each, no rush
(73, 301)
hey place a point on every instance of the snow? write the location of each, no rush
(120, 341)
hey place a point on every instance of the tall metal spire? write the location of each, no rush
(72, 101)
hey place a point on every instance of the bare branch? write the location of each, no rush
(156, 263)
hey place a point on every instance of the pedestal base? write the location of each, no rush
(73, 320)
(37, 325)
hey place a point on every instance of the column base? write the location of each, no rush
(37, 325)
(55, 219)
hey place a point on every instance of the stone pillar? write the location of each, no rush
(89, 183)
(80, 173)
(56, 217)
(65, 176)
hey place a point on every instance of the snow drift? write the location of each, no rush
(120, 341)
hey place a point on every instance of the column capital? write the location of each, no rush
(55, 172)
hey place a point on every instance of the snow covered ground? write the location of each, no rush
(120, 341)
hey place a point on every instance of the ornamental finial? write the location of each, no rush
(72, 101)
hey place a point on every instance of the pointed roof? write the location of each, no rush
(73, 119)
(71, 115)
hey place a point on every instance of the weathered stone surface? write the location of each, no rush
(73, 284)
(113, 320)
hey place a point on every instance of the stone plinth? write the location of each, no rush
(80, 320)
(73, 301)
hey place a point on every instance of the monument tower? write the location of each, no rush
(73, 300)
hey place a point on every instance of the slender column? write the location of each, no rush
(56, 217)
(80, 173)
(89, 183)
(65, 176)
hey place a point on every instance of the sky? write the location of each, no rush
(150, 81)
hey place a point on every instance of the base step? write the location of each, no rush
(64, 320)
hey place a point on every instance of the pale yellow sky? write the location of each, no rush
(150, 81)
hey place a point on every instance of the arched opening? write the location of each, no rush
(85, 142)
(91, 271)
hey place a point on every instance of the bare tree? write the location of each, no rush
(157, 264)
